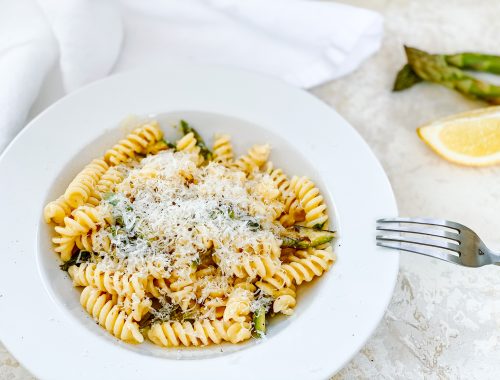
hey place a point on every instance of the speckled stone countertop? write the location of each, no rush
(443, 321)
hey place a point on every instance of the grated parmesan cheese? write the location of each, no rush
(169, 214)
(261, 300)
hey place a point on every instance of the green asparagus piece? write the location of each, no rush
(406, 78)
(434, 68)
(259, 322)
(303, 237)
(475, 61)
(204, 151)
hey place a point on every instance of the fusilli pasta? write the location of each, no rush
(199, 333)
(82, 187)
(311, 200)
(303, 266)
(57, 210)
(293, 211)
(80, 222)
(252, 161)
(197, 247)
(117, 283)
(135, 143)
(102, 308)
(109, 180)
(223, 150)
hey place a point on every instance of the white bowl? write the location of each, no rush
(41, 320)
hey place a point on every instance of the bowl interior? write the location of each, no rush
(244, 134)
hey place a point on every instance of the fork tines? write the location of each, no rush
(431, 237)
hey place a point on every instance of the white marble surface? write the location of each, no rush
(443, 321)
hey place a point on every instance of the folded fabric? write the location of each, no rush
(82, 36)
(305, 43)
(27, 52)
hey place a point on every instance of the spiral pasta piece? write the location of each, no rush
(82, 187)
(269, 248)
(293, 211)
(157, 147)
(211, 287)
(272, 291)
(245, 285)
(93, 200)
(93, 241)
(223, 150)
(252, 267)
(255, 159)
(188, 143)
(238, 305)
(109, 180)
(102, 308)
(157, 270)
(57, 210)
(135, 143)
(208, 271)
(185, 297)
(198, 333)
(284, 304)
(82, 220)
(311, 200)
(64, 246)
(119, 283)
(85, 189)
(284, 298)
(303, 267)
(157, 287)
(135, 306)
(213, 308)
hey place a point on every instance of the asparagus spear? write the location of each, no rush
(406, 78)
(475, 61)
(204, 151)
(434, 68)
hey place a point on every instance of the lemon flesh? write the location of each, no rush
(471, 138)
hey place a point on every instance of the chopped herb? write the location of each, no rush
(111, 198)
(254, 225)
(215, 212)
(204, 151)
(114, 231)
(162, 311)
(189, 315)
(119, 221)
(82, 257)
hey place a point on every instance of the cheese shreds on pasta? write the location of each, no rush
(172, 212)
(180, 241)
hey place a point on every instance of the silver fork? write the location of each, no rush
(441, 239)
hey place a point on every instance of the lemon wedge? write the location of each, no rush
(470, 138)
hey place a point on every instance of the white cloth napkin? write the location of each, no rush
(304, 42)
